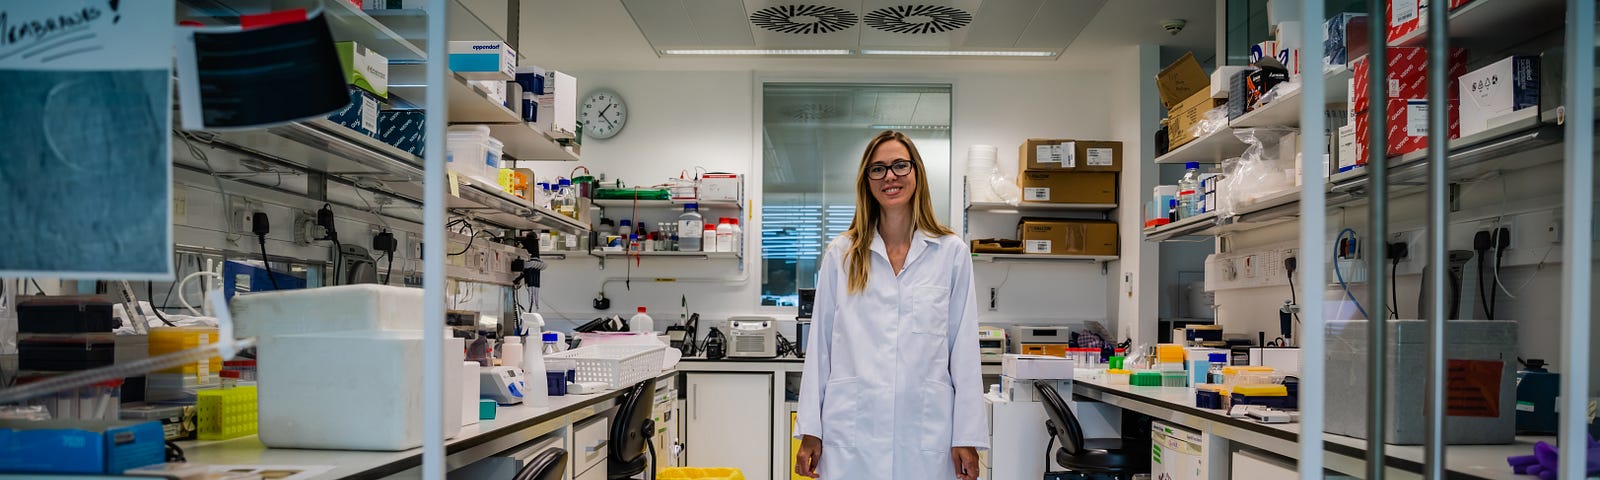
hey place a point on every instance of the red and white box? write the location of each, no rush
(721, 187)
(1410, 16)
(1407, 127)
(1407, 74)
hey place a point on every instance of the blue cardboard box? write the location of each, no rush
(361, 114)
(79, 446)
(403, 129)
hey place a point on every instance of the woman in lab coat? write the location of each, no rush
(892, 382)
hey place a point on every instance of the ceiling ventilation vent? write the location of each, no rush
(804, 19)
(918, 19)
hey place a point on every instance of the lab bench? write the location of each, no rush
(512, 426)
(739, 390)
(1346, 455)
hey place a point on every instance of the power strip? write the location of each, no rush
(1255, 268)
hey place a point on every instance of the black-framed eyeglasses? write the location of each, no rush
(878, 171)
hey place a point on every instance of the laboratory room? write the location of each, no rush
(775, 240)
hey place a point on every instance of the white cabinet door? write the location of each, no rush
(729, 421)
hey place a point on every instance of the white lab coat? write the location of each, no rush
(892, 379)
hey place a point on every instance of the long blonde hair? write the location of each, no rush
(868, 212)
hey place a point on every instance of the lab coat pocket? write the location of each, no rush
(841, 411)
(930, 310)
(937, 418)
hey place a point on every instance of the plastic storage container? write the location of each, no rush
(1246, 375)
(474, 153)
(1174, 379)
(616, 366)
(1145, 379)
(165, 340)
(725, 237)
(641, 322)
(1117, 376)
(226, 413)
(696, 473)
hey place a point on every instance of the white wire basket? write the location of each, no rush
(616, 366)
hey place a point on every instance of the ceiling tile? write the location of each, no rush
(664, 23)
(1057, 23)
(999, 23)
(720, 23)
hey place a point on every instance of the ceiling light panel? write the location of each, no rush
(720, 22)
(664, 23)
(1057, 23)
(755, 52)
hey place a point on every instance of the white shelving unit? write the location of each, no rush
(1212, 148)
(1035, 207)
(1285, 111)
(1030, 257)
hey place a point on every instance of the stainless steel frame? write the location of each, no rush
(1577, 251)
(1377, 231)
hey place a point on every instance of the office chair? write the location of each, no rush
(631, 429)
(547, 465)
(1110, 458)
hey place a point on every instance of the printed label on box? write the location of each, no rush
(1417, 118)
(1404, 11)
(1046, 154)
(1394, 87)
(1069, 154)
(1473, 388)
(1038, 246)
(1099, 157)
(369, 113)
(1037, 194)
(1525, 406)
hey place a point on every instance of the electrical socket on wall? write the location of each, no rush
(994, 298)
(305, 230)
(239, 220)
(1416, 251)
(413, 245)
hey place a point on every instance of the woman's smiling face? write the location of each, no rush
(892, 191)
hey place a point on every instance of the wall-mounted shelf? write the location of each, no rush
(467, 105)
(523, 142)
(1035, 207)
(693, 255)
(1031, 257)
(629, 203)
(346, 21)
(1285, 111)
(1196, 225)
(490, 204)
(1212, 148)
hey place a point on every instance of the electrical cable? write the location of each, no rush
(1394, 288)
(1480, 244)
(1340, 275)
(227, 201)
(35, 283)
(149, 291)
(262, 239)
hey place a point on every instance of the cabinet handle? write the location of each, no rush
(596, 447)
(694, 397)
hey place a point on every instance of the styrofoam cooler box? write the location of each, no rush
(1482, 390)
(327, 309)
(356, 390)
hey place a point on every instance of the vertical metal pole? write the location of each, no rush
(1577, 264)
(514, 24)
(1438, 151)
(433, 251)
(1313, 228)
(1377, 219)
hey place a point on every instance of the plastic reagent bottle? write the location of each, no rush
(708, 238)
(641, 322)
(689, 225)
(538, 394)
(725, 235)
(1186, 190)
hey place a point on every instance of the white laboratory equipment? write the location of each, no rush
(690, 223)
(502, 384)
(536, 393)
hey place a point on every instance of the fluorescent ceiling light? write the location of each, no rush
(961, 53)
(757, 52)
(908, 127)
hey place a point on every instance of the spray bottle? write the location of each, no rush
(538, 393)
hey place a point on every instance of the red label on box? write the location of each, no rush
(1408, 16)
(1407, 74)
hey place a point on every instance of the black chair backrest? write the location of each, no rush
(628, 437)
(547, 465)
(1069, 432)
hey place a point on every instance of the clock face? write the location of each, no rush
(602, 114)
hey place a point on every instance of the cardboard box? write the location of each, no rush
(495, 90)
(1070, 155)
(403, 129)
(1267, 49)
(361, 114)
(1054, 186)
(1344, 38)
(1495, 94)
(1407, 127)
(1349, 148)
(1181, 80)
(364, 68)
(1222, 80)
(1290, 45)
(1188, 113)
(491, 60)
(1408, 75)
(721, 187)
(1060, 236)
